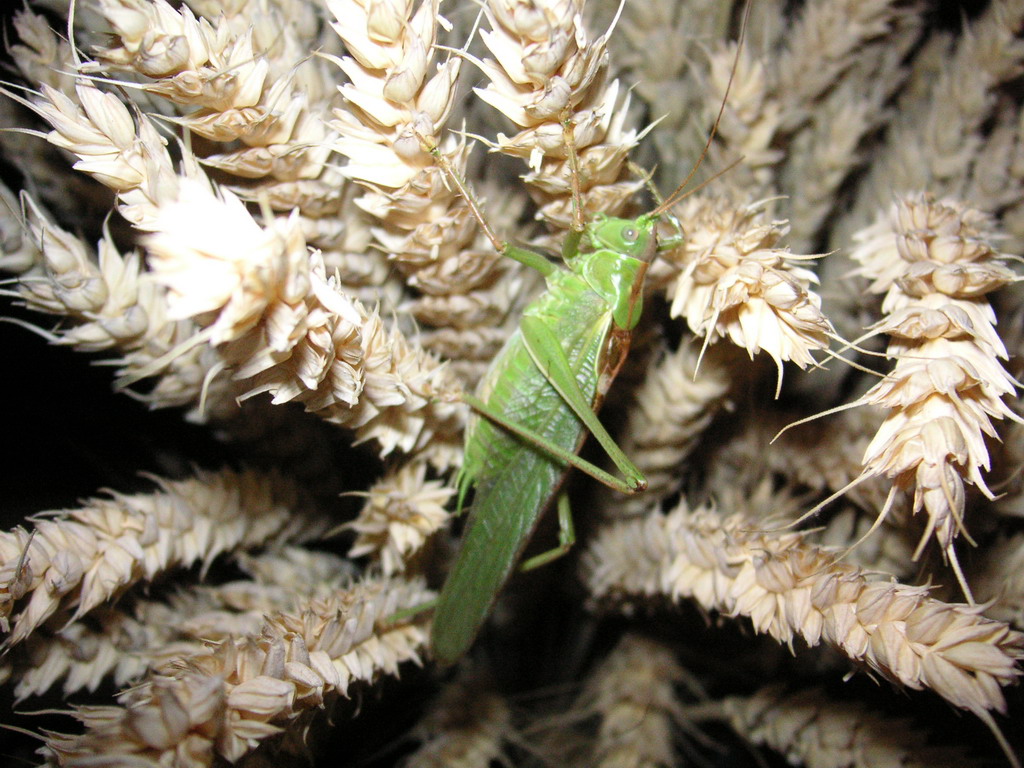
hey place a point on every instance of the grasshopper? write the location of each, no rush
(538, 400)
(536, 404)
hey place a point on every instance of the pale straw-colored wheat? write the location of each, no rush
(221, 703)
(673, 405)
(279, 322)
(238, 77)
(658, 46)
(245, 84)
(997, 174)
(81, 558)
(633, 695)
(937, 132)
(750, 121)
(733, 279)
(789, 588)
(121, 150)
(467, 726)
(40, 55)
(126, 153)
(18, 254)
(402, 511)
(122, 643)
(935, 261)
(825, 457)
(85, 654)
(807, 103)
(779, 84)
(103, 133)
(550, 77)
(998, 580)
(822, 46)
(107, 305)
(824, 154)
(811, 728)
(282, 231)
(398, 101)
(892, 553)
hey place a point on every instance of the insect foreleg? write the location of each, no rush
(546, 351)
(664, 243)
(522, 255)
(529, 258)
(671, 242)
(566, 537)
(578, 224)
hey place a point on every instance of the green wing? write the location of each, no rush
(515, 481)
(505, 510)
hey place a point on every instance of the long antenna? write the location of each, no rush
(672, 199)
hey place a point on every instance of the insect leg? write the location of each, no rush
(566, 537)
(630, 486)
(676, 240)
(522, 255)
(547, 354)
(408, 613)
(571, 244)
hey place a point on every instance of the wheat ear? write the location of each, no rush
(82, 558)
(935, 261)
(789, 588)
(219, 705)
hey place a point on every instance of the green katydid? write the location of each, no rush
(539, 399)
(540, 395)
(536, 404)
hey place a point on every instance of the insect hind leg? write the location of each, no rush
(566, 537)
(634, 484)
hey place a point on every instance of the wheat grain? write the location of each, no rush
(122, 643)
(810, 728)
(789, 588)
(402, 510)
(932, 143)
(633, 694)
(84, 557)
(222, 703)
(732, 280)
(935, 262)
(674, 403)
(466, 727)
(280, 323)
(548, 78)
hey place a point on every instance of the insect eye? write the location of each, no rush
(629, 234)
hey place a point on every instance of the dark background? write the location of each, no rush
(67, 435)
